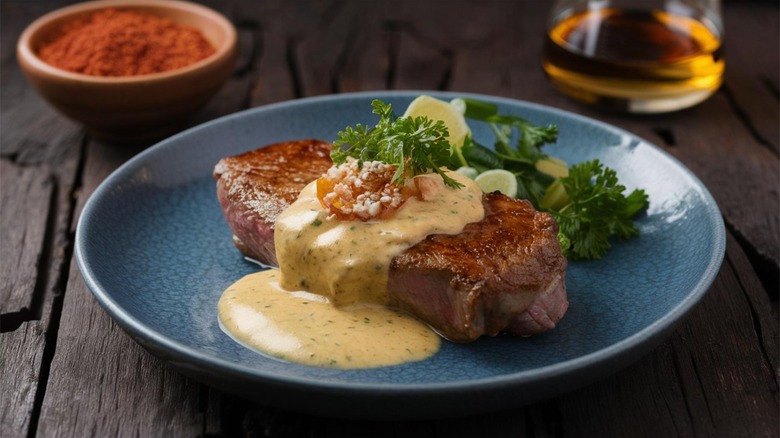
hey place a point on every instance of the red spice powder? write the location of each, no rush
(114, 42)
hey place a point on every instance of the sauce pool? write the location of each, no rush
(326, 304)
(306, 328)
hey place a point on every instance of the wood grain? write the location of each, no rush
(752, 57)
(24, 210)
(21, 357)
(39, 158)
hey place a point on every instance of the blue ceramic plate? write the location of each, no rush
(156, 252)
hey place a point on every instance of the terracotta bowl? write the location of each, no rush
(131, 107)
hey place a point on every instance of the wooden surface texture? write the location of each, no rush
(66, 369)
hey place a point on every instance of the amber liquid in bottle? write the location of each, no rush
(635, 61)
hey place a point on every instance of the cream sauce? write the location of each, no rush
(306, 328)
(349, 261)
(340, 321)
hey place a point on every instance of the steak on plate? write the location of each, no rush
(255, 187)
(502, 274)
(505, 273)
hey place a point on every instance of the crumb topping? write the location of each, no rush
(364, 193)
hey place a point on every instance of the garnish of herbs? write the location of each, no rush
(586, 199)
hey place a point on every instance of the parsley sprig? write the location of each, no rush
(414, 145)
(596, 211)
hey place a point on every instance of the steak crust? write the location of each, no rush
(255, 187)
(505, 273)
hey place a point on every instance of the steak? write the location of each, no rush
(255, 187)
(505, 273)
(502, 274)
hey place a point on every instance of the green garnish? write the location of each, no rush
(414, 145)
(591, 209)
(520, 159)
(597, 210)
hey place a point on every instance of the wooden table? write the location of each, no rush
(67, 370)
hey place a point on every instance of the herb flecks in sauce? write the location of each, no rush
(329, 336)
(326, 259)
(344, 267)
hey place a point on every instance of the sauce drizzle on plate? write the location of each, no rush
(306, 328)
(326, 306)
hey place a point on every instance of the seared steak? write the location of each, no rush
(505, 273)
(255, 187)
(502, 274)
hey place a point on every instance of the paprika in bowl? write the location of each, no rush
(129, 69)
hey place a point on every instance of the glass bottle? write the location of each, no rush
(639, 56)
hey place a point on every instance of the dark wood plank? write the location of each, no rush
(739, 171)
(368, 56)
(753, 67)
(273, 80)
(316, 52)
(470, 43)
(232, 97)
(40, 154)
(24, 209)
(420, 63)
(26, 350)
(269, 36)
(21, 356)
(25, 201)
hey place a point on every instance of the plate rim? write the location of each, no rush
(178, 352)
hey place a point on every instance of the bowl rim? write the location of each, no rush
(223, 52)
